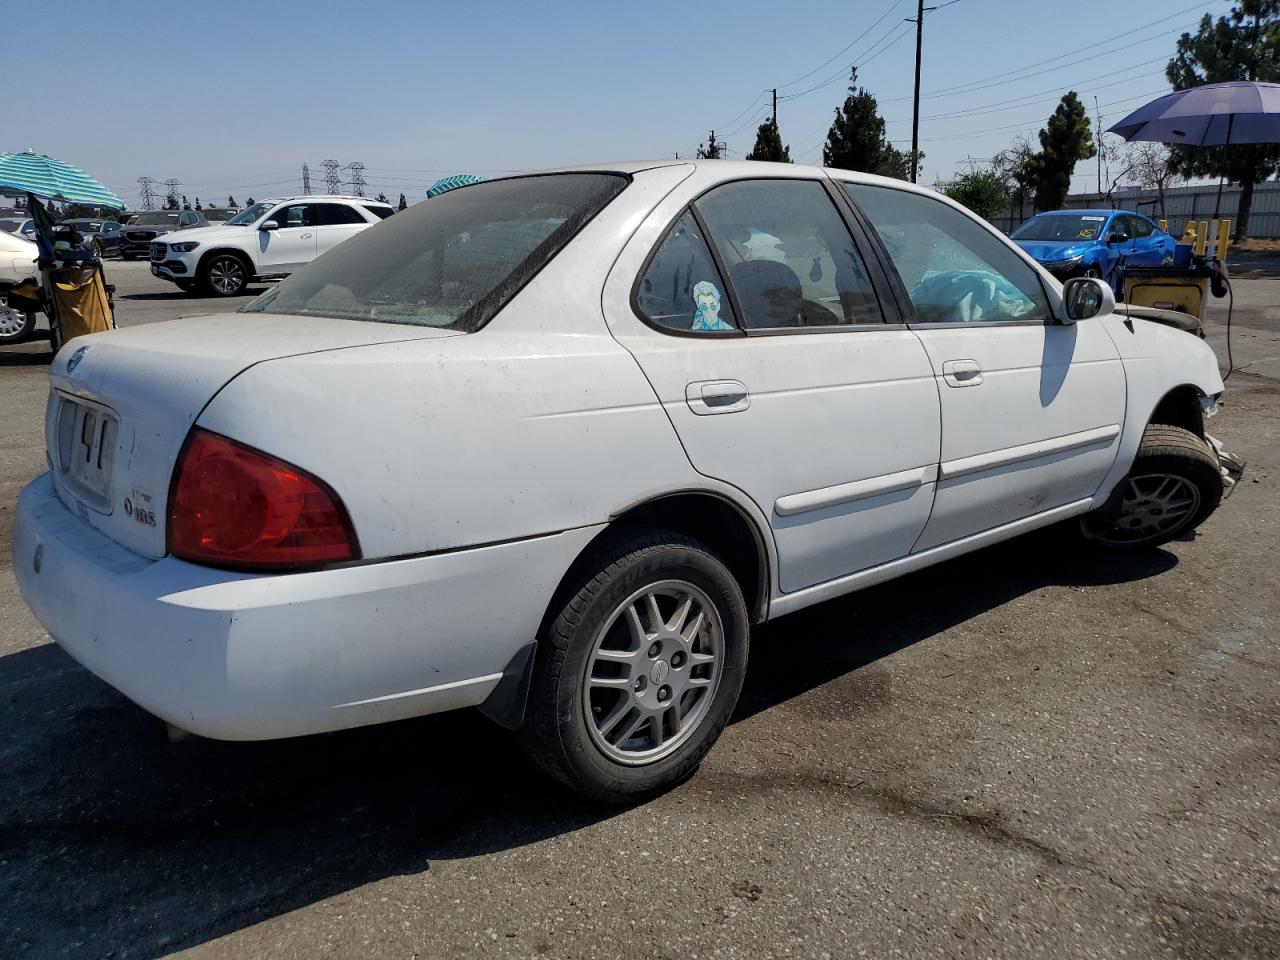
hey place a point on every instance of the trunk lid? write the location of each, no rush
(121, 404)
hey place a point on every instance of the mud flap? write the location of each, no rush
(1232, 466)
(505, 705)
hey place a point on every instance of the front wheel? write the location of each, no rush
(640, 670)
(15, 325)
(1173, 486)
(224, 275)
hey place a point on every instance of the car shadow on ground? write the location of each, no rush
(112, 840)
(33, 353)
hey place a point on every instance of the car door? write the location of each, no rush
(757, 321)
(1149, 242)
(336, 222)
(1031, 408)
(292, 244)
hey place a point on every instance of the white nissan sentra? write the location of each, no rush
(549, 445)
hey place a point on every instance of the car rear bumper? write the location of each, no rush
(250, 657)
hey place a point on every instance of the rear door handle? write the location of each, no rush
(707, 397)
(962, 373)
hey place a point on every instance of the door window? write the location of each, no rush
(295, 215)
(1120, 226)
(681, 288)
(791, 260)
(1142, 227)
(334, 214)
(955, 269)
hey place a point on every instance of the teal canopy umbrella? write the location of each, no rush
(52, 179)
(445, 184)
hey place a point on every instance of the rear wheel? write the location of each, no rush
(224, 275)
(640, 670)
(1174, 485)
(15, 325)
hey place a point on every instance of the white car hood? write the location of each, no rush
(208, 236)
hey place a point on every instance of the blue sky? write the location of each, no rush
(233, 96)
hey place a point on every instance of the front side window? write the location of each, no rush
(453, 261)
(248, 215)
(681, 289)
(293, 215)
(954, 268)
(1142, 227)
(791, 259)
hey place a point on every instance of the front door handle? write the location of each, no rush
(707, 397)
(962, 373)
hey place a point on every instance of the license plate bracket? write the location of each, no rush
(87, 437)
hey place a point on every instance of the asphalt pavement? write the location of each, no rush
(1025, 752)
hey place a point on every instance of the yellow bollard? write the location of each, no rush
(1163, 224)
(1224, 238)
(1202, 238)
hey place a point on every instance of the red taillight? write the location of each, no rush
(233, 506)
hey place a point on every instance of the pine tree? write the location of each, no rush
(382, 198)
(231, 202)
(1243, 45)
(1064, 141)
(769, 144)
(198, 207)
(856, 139)
(250, 203)
(185, 205)
(404, 204)
(711, 151)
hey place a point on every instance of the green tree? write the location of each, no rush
(185, 204)
(250, 203)
(382, 198)
(856, 140)
(1064, 141)
(1015, 166)
(982, 191)
(198, 207)
(404, 204)
(769, 144)
(231, 202)
(1243, 45)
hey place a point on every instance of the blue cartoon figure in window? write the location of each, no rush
(707, 299)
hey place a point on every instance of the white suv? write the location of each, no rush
(269, 240)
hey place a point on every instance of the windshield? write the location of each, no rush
(249, 214)
(1086, 226)
(212, 214)
(453, 261)
(10, 226)
(158, 219)
(82, 225)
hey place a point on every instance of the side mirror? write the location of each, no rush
(1118, 236)
(269, 225)
(1085, 297)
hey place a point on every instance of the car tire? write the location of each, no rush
(224, 275)
(622, 704)
(1173, 486)
(15, 325)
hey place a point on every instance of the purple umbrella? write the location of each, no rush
(1213, 115)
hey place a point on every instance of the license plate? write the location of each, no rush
(86, 450)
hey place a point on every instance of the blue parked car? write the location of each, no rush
(1093, 243)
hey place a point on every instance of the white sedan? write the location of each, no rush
(17, 265)
(549, 445)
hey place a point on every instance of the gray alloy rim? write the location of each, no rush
(226, 274)
(1154, 505)
(653, 672)
(1092, 272)
(12, 322)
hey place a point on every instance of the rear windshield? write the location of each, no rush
(452, 261)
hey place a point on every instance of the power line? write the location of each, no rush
(306, 179)
(147, 186)
(893, 6)
(171, 198)
(357, 178)
(332, 182)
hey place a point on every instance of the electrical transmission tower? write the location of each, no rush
(357, 178)
(171, 198)
(147, 187)
(332, 182)
(306, 180)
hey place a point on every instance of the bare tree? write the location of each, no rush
(1015, 167)
(1152, 167)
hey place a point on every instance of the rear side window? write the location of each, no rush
(452, 261)
(334, 214)
(791, 259)
(681, 289)
(380, 212)
(955, 269)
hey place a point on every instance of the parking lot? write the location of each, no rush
(1027, 751)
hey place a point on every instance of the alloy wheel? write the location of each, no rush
(1153, 505)
(653, 672)
(226, 275)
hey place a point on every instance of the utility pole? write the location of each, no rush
(147, 187)
(332, 182)
(1098, 110)
(775, 106)
(306, 179)
(915, 109)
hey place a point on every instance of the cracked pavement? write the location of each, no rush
(1023, 753)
